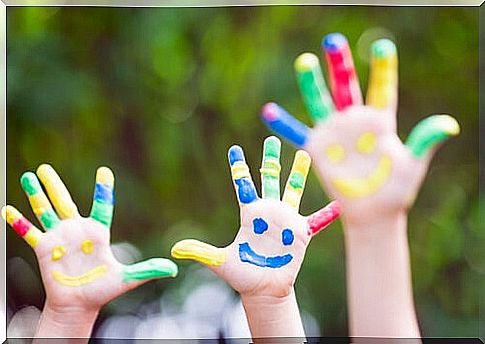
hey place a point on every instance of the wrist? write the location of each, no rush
(66, 322)
(382, 227)
(273, 316)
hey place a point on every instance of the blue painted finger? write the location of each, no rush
(243, 183)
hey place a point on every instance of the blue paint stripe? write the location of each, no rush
(235, 154)
(334, 41)
(246, 191)
(247, 255)
(104, 193)
(284, 124)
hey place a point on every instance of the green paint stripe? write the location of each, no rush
(315, 92)
(102, 212)
(297, 180)
(151, 268)
(430, 132)
(30, 183)
(271, 159)
(49, 219)
(383, 48)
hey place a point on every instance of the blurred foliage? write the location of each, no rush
(160, 94)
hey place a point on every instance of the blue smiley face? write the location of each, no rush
(247, 254)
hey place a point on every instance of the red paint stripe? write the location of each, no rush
(343, 77)
(324, 217)
(21, 226)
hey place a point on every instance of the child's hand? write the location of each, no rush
(267, 253)
(355, 148)
(77, 266)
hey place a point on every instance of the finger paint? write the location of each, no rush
(366, 143)
(77, 281)
(363, 187)
(21, 225)
(287, 237)
(335, 153)
(58, 252)
(296, 182)
(103, 201)
(245, 189)
(199, 251)
(38, 200)
(260, 226)
(322, 218)
(343, 77)
(383, 78)
(270, 170)
(284, 124)
(430, 132)
(87, 246)
(57, 192)
(148, 269)
(312, 87)
(247, 255)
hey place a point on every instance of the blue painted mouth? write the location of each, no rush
(247, 255)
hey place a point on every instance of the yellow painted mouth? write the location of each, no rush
(362, 187)
(80, 280)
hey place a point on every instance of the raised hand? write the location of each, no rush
(359, 157)
(78, 268)
(266, 255)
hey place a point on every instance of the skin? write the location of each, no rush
(70, 311)
(267, 293)
(375, 223)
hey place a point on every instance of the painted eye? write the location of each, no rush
(287, 237)
(335, 153)
(367, 143)
(260, 226)
(87, 246)
(58, 252)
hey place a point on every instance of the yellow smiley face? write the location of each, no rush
(87, 247)
(366, 186)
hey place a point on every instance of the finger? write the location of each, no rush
(39, 202)
(343, 78)
(312, 86)
(149, 269)
(57, 192)
(296, 181)
(243, 183)
(322, 218)
(383, 79)
(22, 226)
(199, 251)
(270, 169)
(103, 200)
(430, 132)
(284, 124)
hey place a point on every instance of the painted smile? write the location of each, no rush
(76, 281)
(247, 255)
(362, 187)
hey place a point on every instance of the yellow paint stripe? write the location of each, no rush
(80, 280)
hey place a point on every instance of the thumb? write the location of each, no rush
(211, 256)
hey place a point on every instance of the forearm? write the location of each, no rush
(72, 324)
(379, 279)
(273, 317)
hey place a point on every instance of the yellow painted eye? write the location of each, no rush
(87, 246)
(335, 153)
(58, 252)
(367, 143)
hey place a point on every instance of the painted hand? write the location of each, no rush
(76, 263)
(266, 255)
(359, 157)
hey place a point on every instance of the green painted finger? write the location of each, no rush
(103, 201)
(148, 269)
(315, 93)
(270, 168)
(430, 132)
(38, 201)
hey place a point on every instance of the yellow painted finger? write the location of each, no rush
(21, 225)
(57, 192)
(296, 181)
(199, 251)
(383, 79)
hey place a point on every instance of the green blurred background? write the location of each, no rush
(160, 94)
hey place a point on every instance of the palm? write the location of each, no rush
(359, 157)
(267, 253)
(77, 265)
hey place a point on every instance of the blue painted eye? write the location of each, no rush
(287, 237)
(260, 226)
